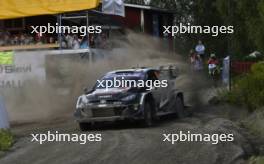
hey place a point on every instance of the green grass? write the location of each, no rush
(248, 90)
(255, 123)
(6, 140)
(256, 160)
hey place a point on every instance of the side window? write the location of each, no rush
(153, 75)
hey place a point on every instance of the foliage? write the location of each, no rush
(249, 89)
(256, 160)
(255, 123)
(6, 140)
(246, 16)
(254, 57)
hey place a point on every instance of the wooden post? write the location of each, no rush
(142, 20)
(59, 21)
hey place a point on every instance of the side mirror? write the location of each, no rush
(173, 73)
(86, 90)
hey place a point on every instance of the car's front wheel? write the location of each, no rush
(148, 116)
(180, 107)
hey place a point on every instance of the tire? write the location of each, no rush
(180, 107)
(85, 126)
(148, 115)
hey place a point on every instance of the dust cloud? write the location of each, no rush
(67, 77)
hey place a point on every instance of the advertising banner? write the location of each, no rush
(6, 58)
(113, 7)
(23, 8)
(19, 67)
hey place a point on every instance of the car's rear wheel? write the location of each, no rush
(85, 126)
(148, 115)
(180, 107)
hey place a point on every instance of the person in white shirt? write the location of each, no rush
(69, 39)
(200, 49)
(75, 43)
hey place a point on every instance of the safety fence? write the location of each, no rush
(240, 67)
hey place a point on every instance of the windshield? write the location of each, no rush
(121, 80)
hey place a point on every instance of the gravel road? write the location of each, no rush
(130, 143)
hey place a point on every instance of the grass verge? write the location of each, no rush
(6, 140)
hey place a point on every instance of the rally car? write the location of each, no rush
(145, 104)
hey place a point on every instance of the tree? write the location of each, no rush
(246, 16)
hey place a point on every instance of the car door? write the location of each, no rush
(156, 92)
(164, 91)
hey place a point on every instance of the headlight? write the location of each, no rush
(129, 98)
(81, 102)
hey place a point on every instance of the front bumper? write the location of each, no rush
(108, 113)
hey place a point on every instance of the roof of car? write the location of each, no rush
(133, 70)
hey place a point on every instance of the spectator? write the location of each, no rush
(7, 39)
(212, 64)
(98, 41)
(15, 40)
(22, 39)
(75, 43)
(192, 55)
(63, 44)
(69, 40)
(84, 42)
(200, 49)
(51, 40)
(29, 39)
(198, 63)
(92, 41)
(103, 41)
(2, 43)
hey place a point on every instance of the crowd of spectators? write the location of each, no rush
(94, 41)
(8, 39)
(69, 41)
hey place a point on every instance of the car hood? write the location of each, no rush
(108, 94)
